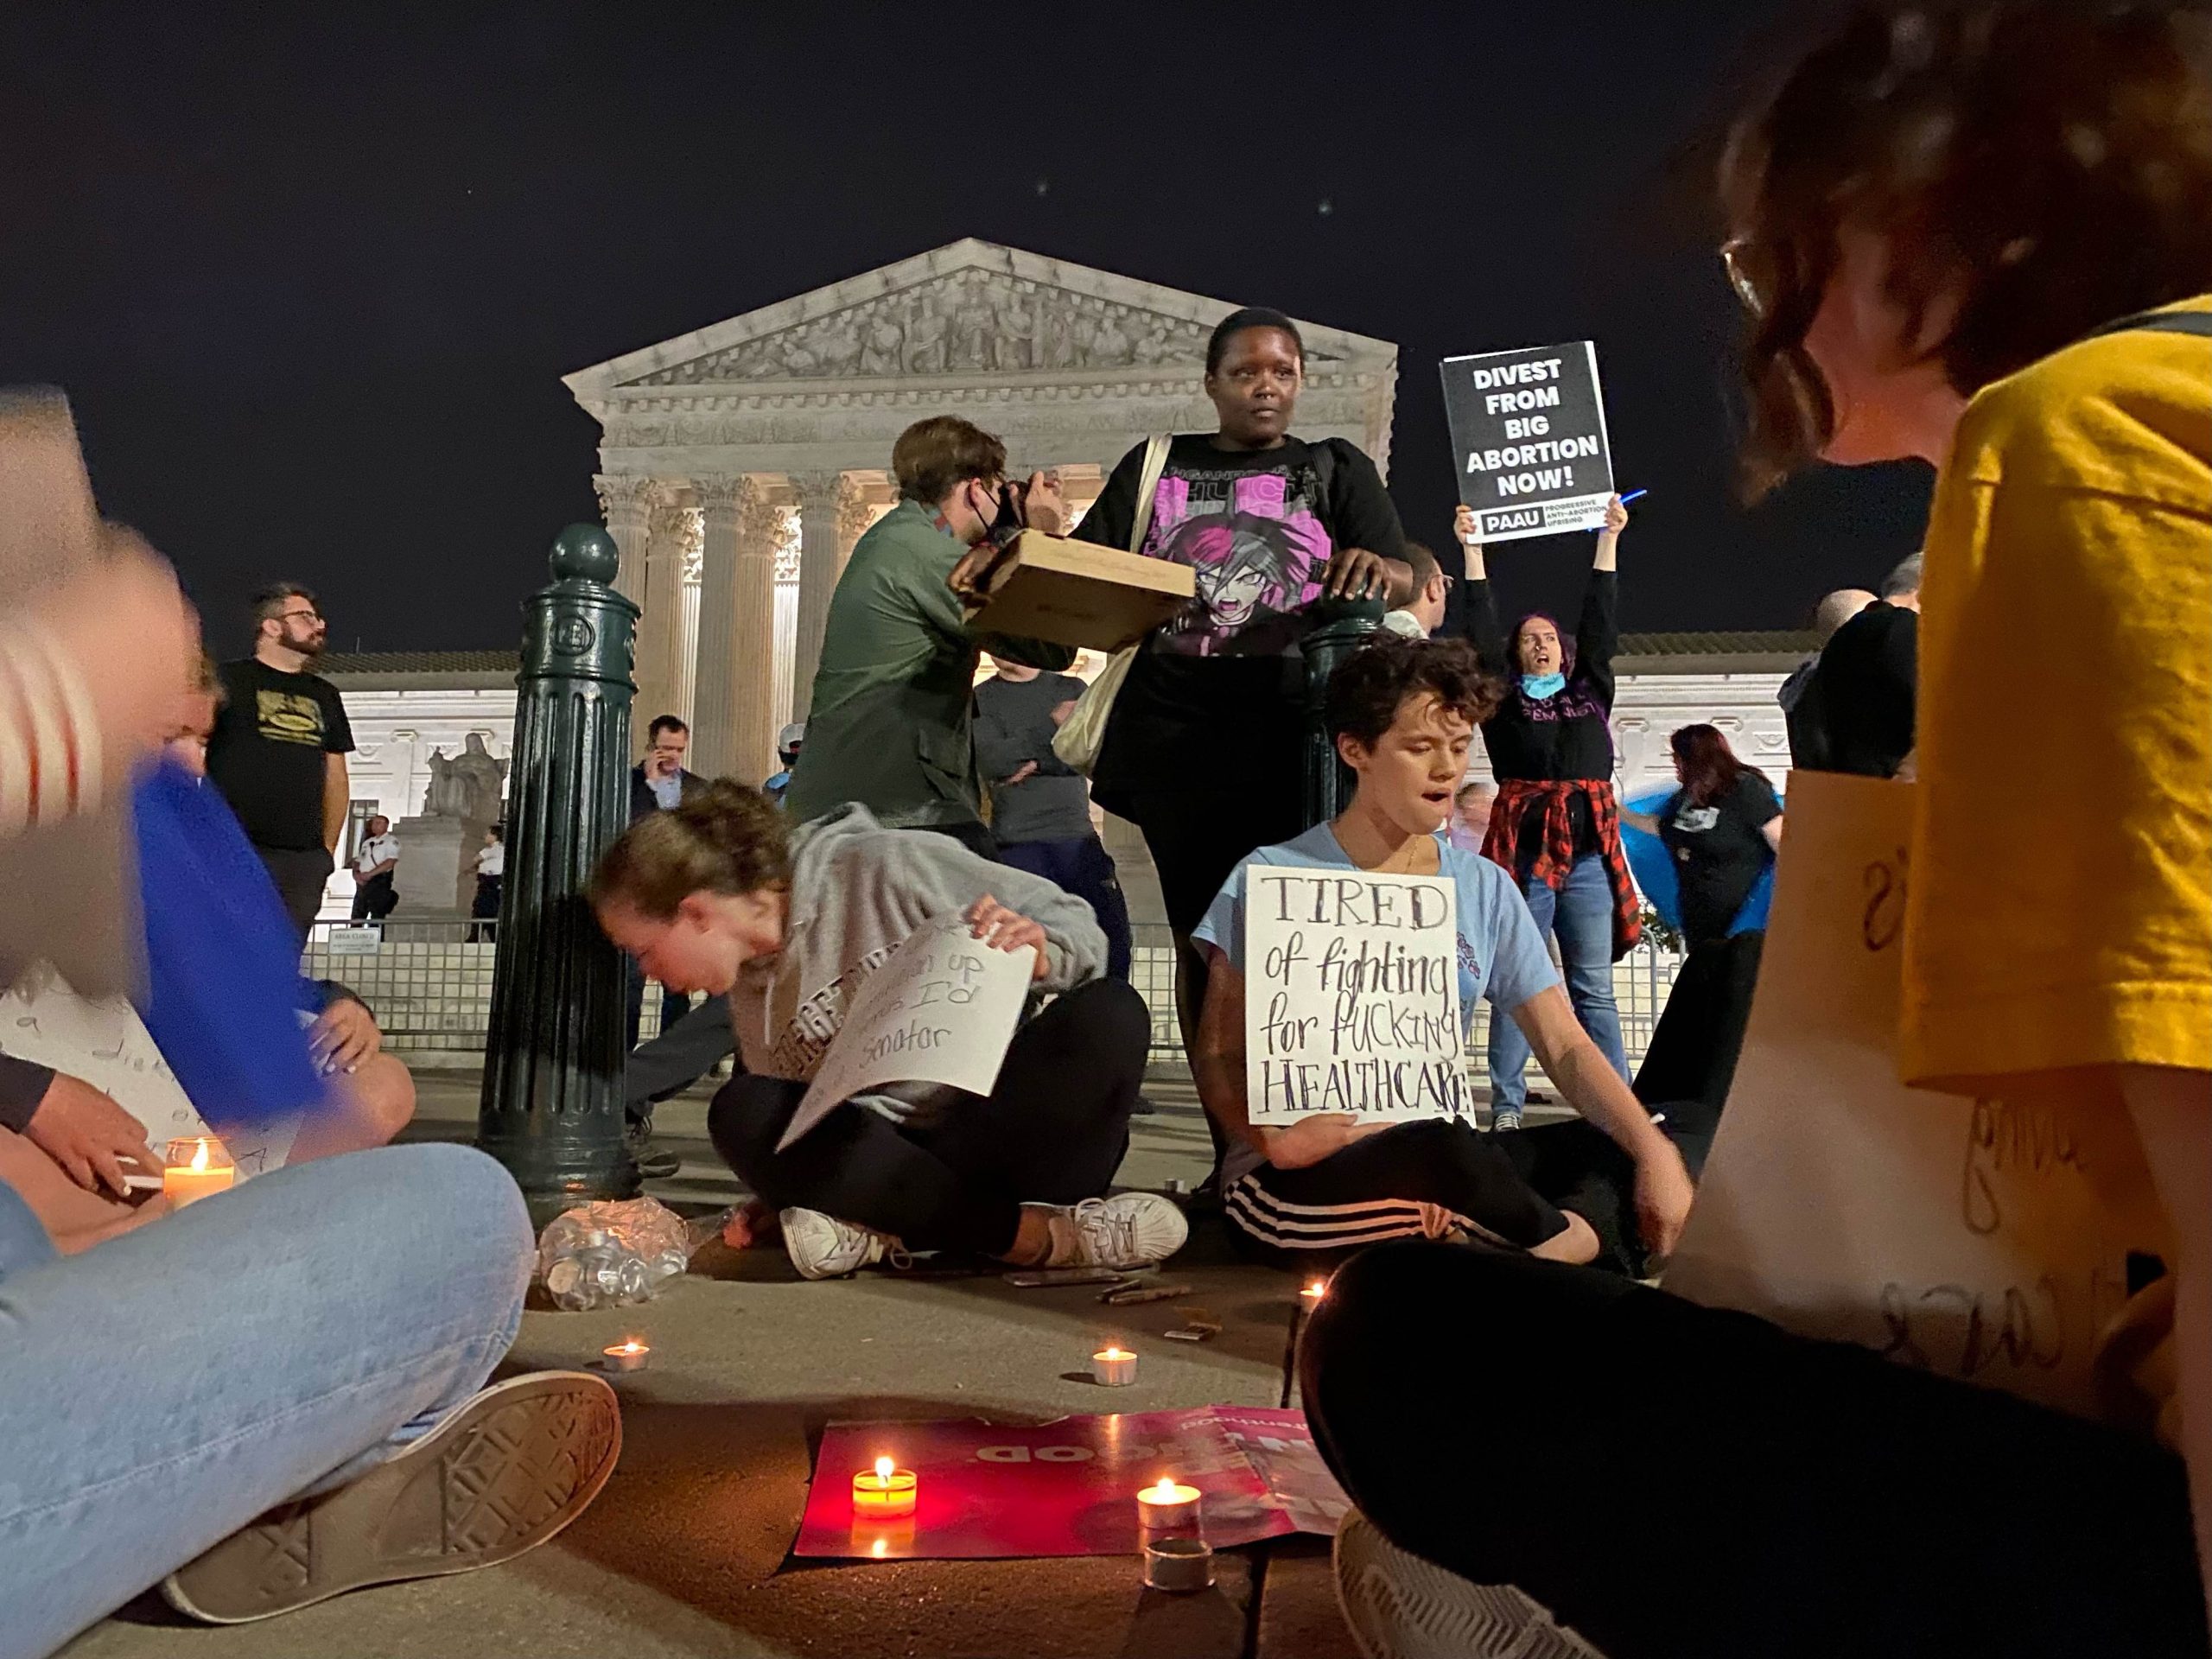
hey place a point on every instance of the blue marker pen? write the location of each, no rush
(1634, 495)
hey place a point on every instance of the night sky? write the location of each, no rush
(311, 275)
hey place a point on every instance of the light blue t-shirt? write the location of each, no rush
(1502, 957)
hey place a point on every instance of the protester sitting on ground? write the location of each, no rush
(722, 896)
(357, 1305)
(1722, 830)
(1470, 809)
(1403, 714)
(889, 725)
(1040, 806)
(1808, 741)
(1925, 221)
(1555, 826)
(1420, 617)
(1857, 706)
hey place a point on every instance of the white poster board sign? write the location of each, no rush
(942, 1008)
(1352, 996)
(1529, 431)
(1959, 1235)
(104, 1042)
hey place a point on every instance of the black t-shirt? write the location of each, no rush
(1568, 735)
(1719, 852)
(1861, 693)
(1258, 527)
(266, 752)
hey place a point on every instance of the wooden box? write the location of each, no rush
(1080, 593)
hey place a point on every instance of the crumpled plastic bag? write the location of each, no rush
(612, 1252)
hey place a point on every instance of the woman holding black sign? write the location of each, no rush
(1556, 827)
(1204, 752)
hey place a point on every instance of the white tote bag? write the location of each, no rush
(1959, 1235)
(1083, 732)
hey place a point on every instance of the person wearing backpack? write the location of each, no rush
(1202, 752)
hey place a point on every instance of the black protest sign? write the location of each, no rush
(1528, 437)
(1352, 996)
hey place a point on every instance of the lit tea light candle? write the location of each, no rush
(195, 1168)
(628, 1355)
(883, 1493)
(1314, 1291)
(1115, 1367)
(1170, 1503)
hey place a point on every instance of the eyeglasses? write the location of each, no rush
(299, 616)
(1740, 255)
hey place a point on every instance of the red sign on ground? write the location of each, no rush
(1070, 1488)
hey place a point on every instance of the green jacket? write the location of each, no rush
(895, 695)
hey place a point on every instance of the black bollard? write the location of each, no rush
(1340, 627)
(552, 1104)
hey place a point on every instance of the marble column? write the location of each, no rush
(855, 513)
(732, 729)
(660, 630)
(820, 495)
(626, 501)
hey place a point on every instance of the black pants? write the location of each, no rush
(484, 908)
(1412, 1179)
(1053, 1131)
(375, 899)
(1081, 867)
(674, 1005)
(299, 874)
(1701, 1035)
(1680, 1481)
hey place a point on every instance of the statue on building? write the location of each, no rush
(880, 349)
(467, 785)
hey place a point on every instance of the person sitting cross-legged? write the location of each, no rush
(722, 895)
(1402, 713)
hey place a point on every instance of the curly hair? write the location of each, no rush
(728, 838)
(1375, 682)
(2049, 160)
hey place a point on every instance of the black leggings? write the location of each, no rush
(1676, 1480)
(1053, 1131)
(1413, 1178)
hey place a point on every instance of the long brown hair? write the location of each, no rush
(725, 838)
(1710, 767)
(2054, 157)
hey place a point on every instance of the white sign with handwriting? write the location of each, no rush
(942, 1009)
(1959, 1235)
(1352, 996)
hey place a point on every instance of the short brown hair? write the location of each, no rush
(268, 603)
(1373, 683)
(725, 838)
(934, 457)
(1422, 562)
(2057, 154)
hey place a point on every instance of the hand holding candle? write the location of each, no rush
(196, 1167)
(884, 1494)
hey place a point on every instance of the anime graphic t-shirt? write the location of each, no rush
(1257, 529)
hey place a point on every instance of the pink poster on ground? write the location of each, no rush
(1069, 1487)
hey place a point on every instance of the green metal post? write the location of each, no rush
(552, 1104)
(1340, 625)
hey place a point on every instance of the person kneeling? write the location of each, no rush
(720, 895)
(1402, 713)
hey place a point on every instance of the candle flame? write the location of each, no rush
(1163, 1493)
(199, 1157)
(632, 1345)
(882, 1549)
(883, 1468)
(1318, 1289)
(1115, 1353)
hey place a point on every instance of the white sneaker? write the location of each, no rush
(822, 1247)
(1399, 1606)
(1137, 1230)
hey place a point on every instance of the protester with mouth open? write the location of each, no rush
(1555, 826)
(1269, 524)
(1403, 713)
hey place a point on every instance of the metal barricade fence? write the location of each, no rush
(430, 984)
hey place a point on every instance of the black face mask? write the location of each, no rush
(1013, 515)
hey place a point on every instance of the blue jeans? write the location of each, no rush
(1580, 914)
(1083, 868)
(161, 1390)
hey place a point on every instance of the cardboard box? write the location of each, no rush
(1080, 593)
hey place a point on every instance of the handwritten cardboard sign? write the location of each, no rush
(1960, 1235)
(942, 1008)
(1529, 429)
(986, 1490)
(1352, 996)
(103, 1041)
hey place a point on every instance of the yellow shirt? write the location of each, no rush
(2059, 911)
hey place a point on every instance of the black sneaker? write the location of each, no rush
(654, 1163)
